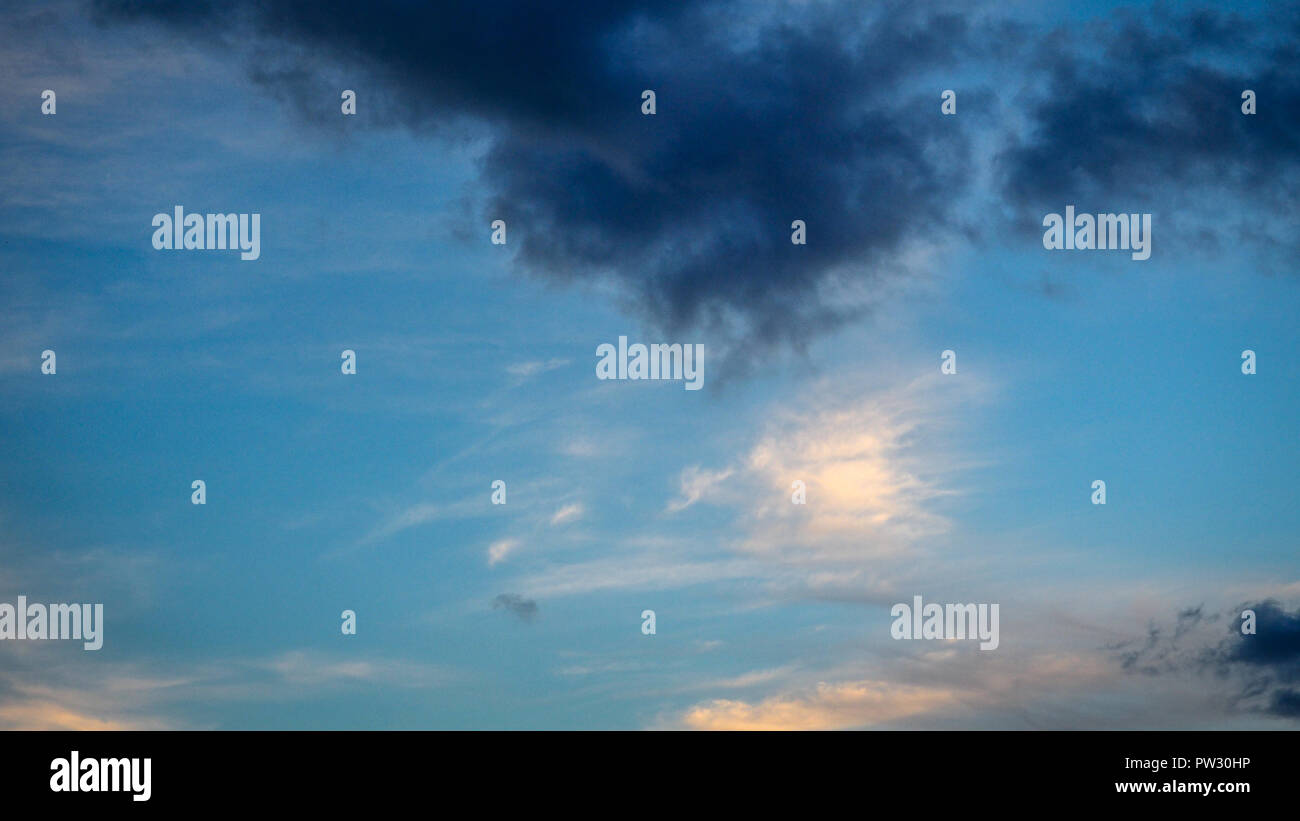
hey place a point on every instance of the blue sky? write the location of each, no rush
(476, 362)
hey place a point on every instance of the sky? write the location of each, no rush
(477, 362)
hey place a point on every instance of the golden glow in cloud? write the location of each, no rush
(45, 715)
(870, 470)
(827, 707)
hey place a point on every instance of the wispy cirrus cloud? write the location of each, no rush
(868, 481)
(873, 471)
(696, 484)
(500, 549)
(569, 513)
(524, 370)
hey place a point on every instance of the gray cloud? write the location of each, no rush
(525, 609)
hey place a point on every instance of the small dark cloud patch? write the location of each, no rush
(1188, 619)
(525, 609)
(1145, 658)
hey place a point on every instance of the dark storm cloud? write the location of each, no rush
(1275, 645)
(767, 113)
(525, 609)
(1262, 668)
(1286, 703)
(1143, 108)
(1268, 661)
(817, 116)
